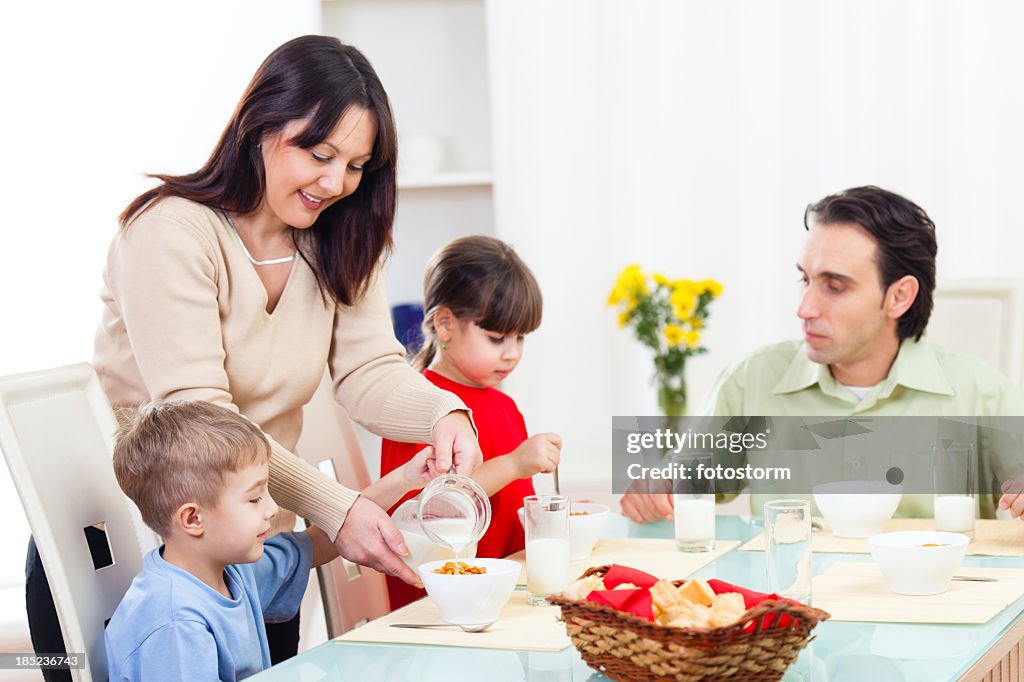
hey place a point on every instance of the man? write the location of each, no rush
(868, 271)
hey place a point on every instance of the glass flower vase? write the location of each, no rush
(672, 395)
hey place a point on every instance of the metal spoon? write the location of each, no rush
(558, 490)
(975, 579)
(465, 628)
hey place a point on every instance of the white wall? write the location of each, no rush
(689, 137)
(95, 96)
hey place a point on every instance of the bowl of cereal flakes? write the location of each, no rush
(472, 592)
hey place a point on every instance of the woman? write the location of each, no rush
(238, 283)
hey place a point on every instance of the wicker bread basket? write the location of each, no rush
(632, 649)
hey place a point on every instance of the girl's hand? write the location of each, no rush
(455, 444)
(422, 467)
(537, 454)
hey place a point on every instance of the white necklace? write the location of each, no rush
(269, 261)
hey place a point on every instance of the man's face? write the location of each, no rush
(841, 305)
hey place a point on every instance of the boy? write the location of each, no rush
(198, 473)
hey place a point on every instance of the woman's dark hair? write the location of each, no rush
(319, 79)
(905, 239)
(481, 279)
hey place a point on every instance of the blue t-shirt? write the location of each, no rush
(172, 626)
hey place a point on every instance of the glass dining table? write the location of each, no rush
(840, 652)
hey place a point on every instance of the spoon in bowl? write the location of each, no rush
(465, 628)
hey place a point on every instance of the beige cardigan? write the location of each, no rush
(184, 317)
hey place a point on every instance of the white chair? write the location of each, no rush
(984, 317)
(351, 594)
(57, 434)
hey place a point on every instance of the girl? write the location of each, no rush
(480, 301)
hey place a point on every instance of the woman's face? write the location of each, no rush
(301, 183)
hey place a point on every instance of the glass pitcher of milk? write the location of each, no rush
(445, 522)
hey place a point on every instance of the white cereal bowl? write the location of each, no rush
(584, 529)
(857, 509)
(912, 568)
(471, 599)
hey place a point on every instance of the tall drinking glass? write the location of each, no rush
(694, 500)
(955, 504)
(547, 546)
(787, 548)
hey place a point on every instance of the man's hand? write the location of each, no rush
(369, 537)
(1013, 497)
(455, 443)
(537, 454)
(646, 503)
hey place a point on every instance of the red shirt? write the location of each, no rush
(501, 430)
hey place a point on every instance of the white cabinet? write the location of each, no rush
(431, 56)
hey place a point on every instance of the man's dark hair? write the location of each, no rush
(905, 236)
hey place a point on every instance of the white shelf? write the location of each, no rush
(431, 56)
(448, 179)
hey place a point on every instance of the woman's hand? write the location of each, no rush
(537, 454)
(455, 444)
(369, 537)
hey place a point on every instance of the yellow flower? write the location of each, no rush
(683, 301)
(712, 287)
(661, 279)
(673, 334)
(692, 339)
(630, 284)
(623, 319)
(695, 323)
(687, 286)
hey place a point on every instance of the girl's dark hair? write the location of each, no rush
(904, 236)
(482, 280)
(319, 79)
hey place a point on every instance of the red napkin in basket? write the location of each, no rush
(637, 602)
(752, 599)
(618, 575)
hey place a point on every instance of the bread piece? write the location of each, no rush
(727, 609)
(697, 591)
(583, 587)
(689, 615)
(664, 595)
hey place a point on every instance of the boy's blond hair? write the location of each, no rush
(172, 452)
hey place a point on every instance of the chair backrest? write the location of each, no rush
(984, 317)
(352, 594)
(57, 434)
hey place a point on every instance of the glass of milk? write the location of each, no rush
(955, 503)
(694, 500)
(547, 546)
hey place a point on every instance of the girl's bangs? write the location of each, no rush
(514, 308)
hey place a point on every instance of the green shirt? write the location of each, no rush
(925, 380)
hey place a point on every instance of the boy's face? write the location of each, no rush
(237, 526)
